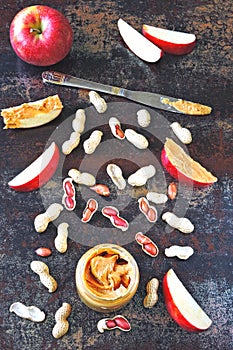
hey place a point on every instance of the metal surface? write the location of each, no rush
(146, 98)
(99, 54)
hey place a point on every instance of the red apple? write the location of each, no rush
(182, 307)
(41, 35)
(38, 172)
(182, 167)
(138, 44)
(170, 41)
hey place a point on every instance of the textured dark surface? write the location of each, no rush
(98, 54)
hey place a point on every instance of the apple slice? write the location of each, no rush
(170, 41)
(181, 305)
(32, 114)
(138, 44)
(38, 172)
(182, 167)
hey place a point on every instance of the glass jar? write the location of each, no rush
(107, 277)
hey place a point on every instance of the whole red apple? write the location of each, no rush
(41, 35)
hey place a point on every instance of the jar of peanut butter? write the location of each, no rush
(107, 277)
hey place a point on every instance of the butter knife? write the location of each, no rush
(164, 102)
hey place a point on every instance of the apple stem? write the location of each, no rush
(36, 30)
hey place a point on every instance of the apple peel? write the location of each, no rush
(138, 44)
(170, 41)
(38, 172)
(181, 306)
(41, 35)
(182, 167)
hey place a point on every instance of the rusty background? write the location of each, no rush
(99, 54)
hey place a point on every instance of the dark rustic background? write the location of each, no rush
(98, 54)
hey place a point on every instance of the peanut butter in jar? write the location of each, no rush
(107, 277)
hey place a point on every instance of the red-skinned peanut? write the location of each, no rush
(148, 246)
(118, 321)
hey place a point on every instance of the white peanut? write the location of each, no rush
(144, 118)
(138, 140)
(142, 175)
(61, 238)
(31, 313)
(62, 325)
(84, 178)
(115, 173)
(157, 198)
(92, 142)
(183, 134)
(182, 224)
(72, 143)
(41, 269)
(98, 102)
(41, 221)
(152, 293)
(79, 121)
(181, 252)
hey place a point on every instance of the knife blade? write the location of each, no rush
(167, 103)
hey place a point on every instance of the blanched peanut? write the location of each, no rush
(61, 238)
(144, 118)
(46, 279)
(115, 127)
(157, 198)
(41, 221)
(140, 177)
(98, 102)
(181, 252)
(183, 134)
(138, 140)
(79, 121)
(62, 325)
(92, 142)
(152, 293)
(182, 224)
(72, 143)
(86, 179)
(115, 173)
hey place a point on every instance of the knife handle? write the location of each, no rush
(69, 80)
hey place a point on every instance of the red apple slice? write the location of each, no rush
(182, 307)
(38, 172)
(182, 167)
(138, 44)
(170, 41)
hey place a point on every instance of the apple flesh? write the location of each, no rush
(39, 172)
(183, 168)
(170, 41)
(41, 35)
(181, 306)
(138, 44)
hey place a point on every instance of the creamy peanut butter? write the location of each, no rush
(107, 274)
(188, 107)
(185, 164)
(107, 277)
(32, 114)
